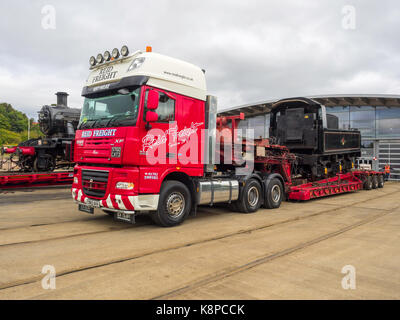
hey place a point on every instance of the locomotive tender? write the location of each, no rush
(322, 149)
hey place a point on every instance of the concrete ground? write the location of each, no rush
(295, 252)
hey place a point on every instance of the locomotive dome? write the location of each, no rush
(145, 68)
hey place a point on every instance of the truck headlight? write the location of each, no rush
(107, 55)
(125, 185)
(99, 58)
(92, 61)
(115, 53)
(124, 51)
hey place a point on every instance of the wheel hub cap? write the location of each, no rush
(175, 204)
(276, 193)
(253, 196)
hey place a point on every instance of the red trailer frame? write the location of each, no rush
(11, 180)
(341, 183)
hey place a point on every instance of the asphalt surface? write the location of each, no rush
(295, 252)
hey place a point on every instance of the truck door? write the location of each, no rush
(155, 137)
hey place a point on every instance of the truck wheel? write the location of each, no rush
(374, 181)
(250, 200)
(274, 194)
(368, 183)
(381, 181)
(233, 206)
(174, 204)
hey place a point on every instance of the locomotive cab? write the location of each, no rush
(303, 126)
(295, 124)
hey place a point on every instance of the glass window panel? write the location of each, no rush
(243, 125)
(258, 125)
(363, 119)
(165, 109)
(343, 114)
(388, 122)
(337, 109)
(267, 119)
(367, 144)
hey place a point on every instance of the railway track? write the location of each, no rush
(115, 228)
(208, 240)
(143, 221)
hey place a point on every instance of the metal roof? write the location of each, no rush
(357, 100)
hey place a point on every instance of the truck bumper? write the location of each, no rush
(116, 202)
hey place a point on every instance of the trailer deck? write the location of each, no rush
(341, 183)
(11, 180)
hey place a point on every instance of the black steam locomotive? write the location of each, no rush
(58, 124)
(322, 149)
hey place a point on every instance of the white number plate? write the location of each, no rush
(92, 203)
(124, 216)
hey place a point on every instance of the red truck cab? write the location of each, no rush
(146, 143)
(133, 106)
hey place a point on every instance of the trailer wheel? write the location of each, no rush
(174, 204)
(274, 194)
(381, 181)
(250, 200)
(368, 183)
(374, 181)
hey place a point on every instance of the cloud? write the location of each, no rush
(252, 50)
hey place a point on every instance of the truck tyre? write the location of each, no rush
(274, 194)
(251, 197)
(174, 204)
(233, 206)
(381, 181)
(374, 181)
(368, 183)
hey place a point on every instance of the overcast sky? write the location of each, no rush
(251, 50)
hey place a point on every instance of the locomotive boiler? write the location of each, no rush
(322, 149)
(54, 150)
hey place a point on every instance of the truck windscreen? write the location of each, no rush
(110, 111)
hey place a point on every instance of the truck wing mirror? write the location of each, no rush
(152, 100)
(151, 116)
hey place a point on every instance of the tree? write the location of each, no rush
(4, 122)
(14, 125)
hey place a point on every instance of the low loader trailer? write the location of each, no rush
(341, 183)
(14, 180)
(149, 142)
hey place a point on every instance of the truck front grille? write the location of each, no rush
(94, 182)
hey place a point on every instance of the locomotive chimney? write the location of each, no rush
(62, 98)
